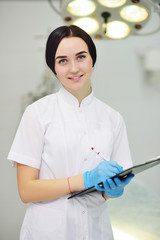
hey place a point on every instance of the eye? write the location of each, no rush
(81, 57)
(62, 61)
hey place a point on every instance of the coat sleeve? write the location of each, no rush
(27, 146)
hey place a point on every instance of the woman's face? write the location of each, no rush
(73, 65)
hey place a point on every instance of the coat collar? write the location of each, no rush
(72, 100)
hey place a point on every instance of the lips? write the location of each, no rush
(75, 78)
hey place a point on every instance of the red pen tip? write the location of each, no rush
(92, 148)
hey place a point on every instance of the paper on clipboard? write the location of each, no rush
(135, 170)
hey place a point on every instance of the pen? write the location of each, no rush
(99, 154)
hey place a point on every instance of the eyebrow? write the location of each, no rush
(76, 55)
(81, 53)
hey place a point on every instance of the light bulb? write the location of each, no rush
(117, 30)
(112, 3)
(134, 13)
(90, 25)
(81, 7)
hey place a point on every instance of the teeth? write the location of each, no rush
(75, 77)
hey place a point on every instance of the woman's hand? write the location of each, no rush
(114, 188)
(101, 173)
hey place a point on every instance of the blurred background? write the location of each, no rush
(126, 76)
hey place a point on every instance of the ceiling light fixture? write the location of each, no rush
(109, 19)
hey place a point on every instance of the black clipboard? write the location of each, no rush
(135, 170)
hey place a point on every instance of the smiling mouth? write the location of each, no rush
(75, 77)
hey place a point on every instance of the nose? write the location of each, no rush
(74, 67)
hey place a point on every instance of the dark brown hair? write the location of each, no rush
(67, 31)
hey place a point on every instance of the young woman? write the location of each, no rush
(52, 149)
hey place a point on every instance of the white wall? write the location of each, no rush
(118, 80)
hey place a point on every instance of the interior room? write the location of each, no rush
(126, 77)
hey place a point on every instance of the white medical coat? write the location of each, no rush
(55, 136)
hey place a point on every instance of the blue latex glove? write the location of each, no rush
(101, 173)
(115, 188)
